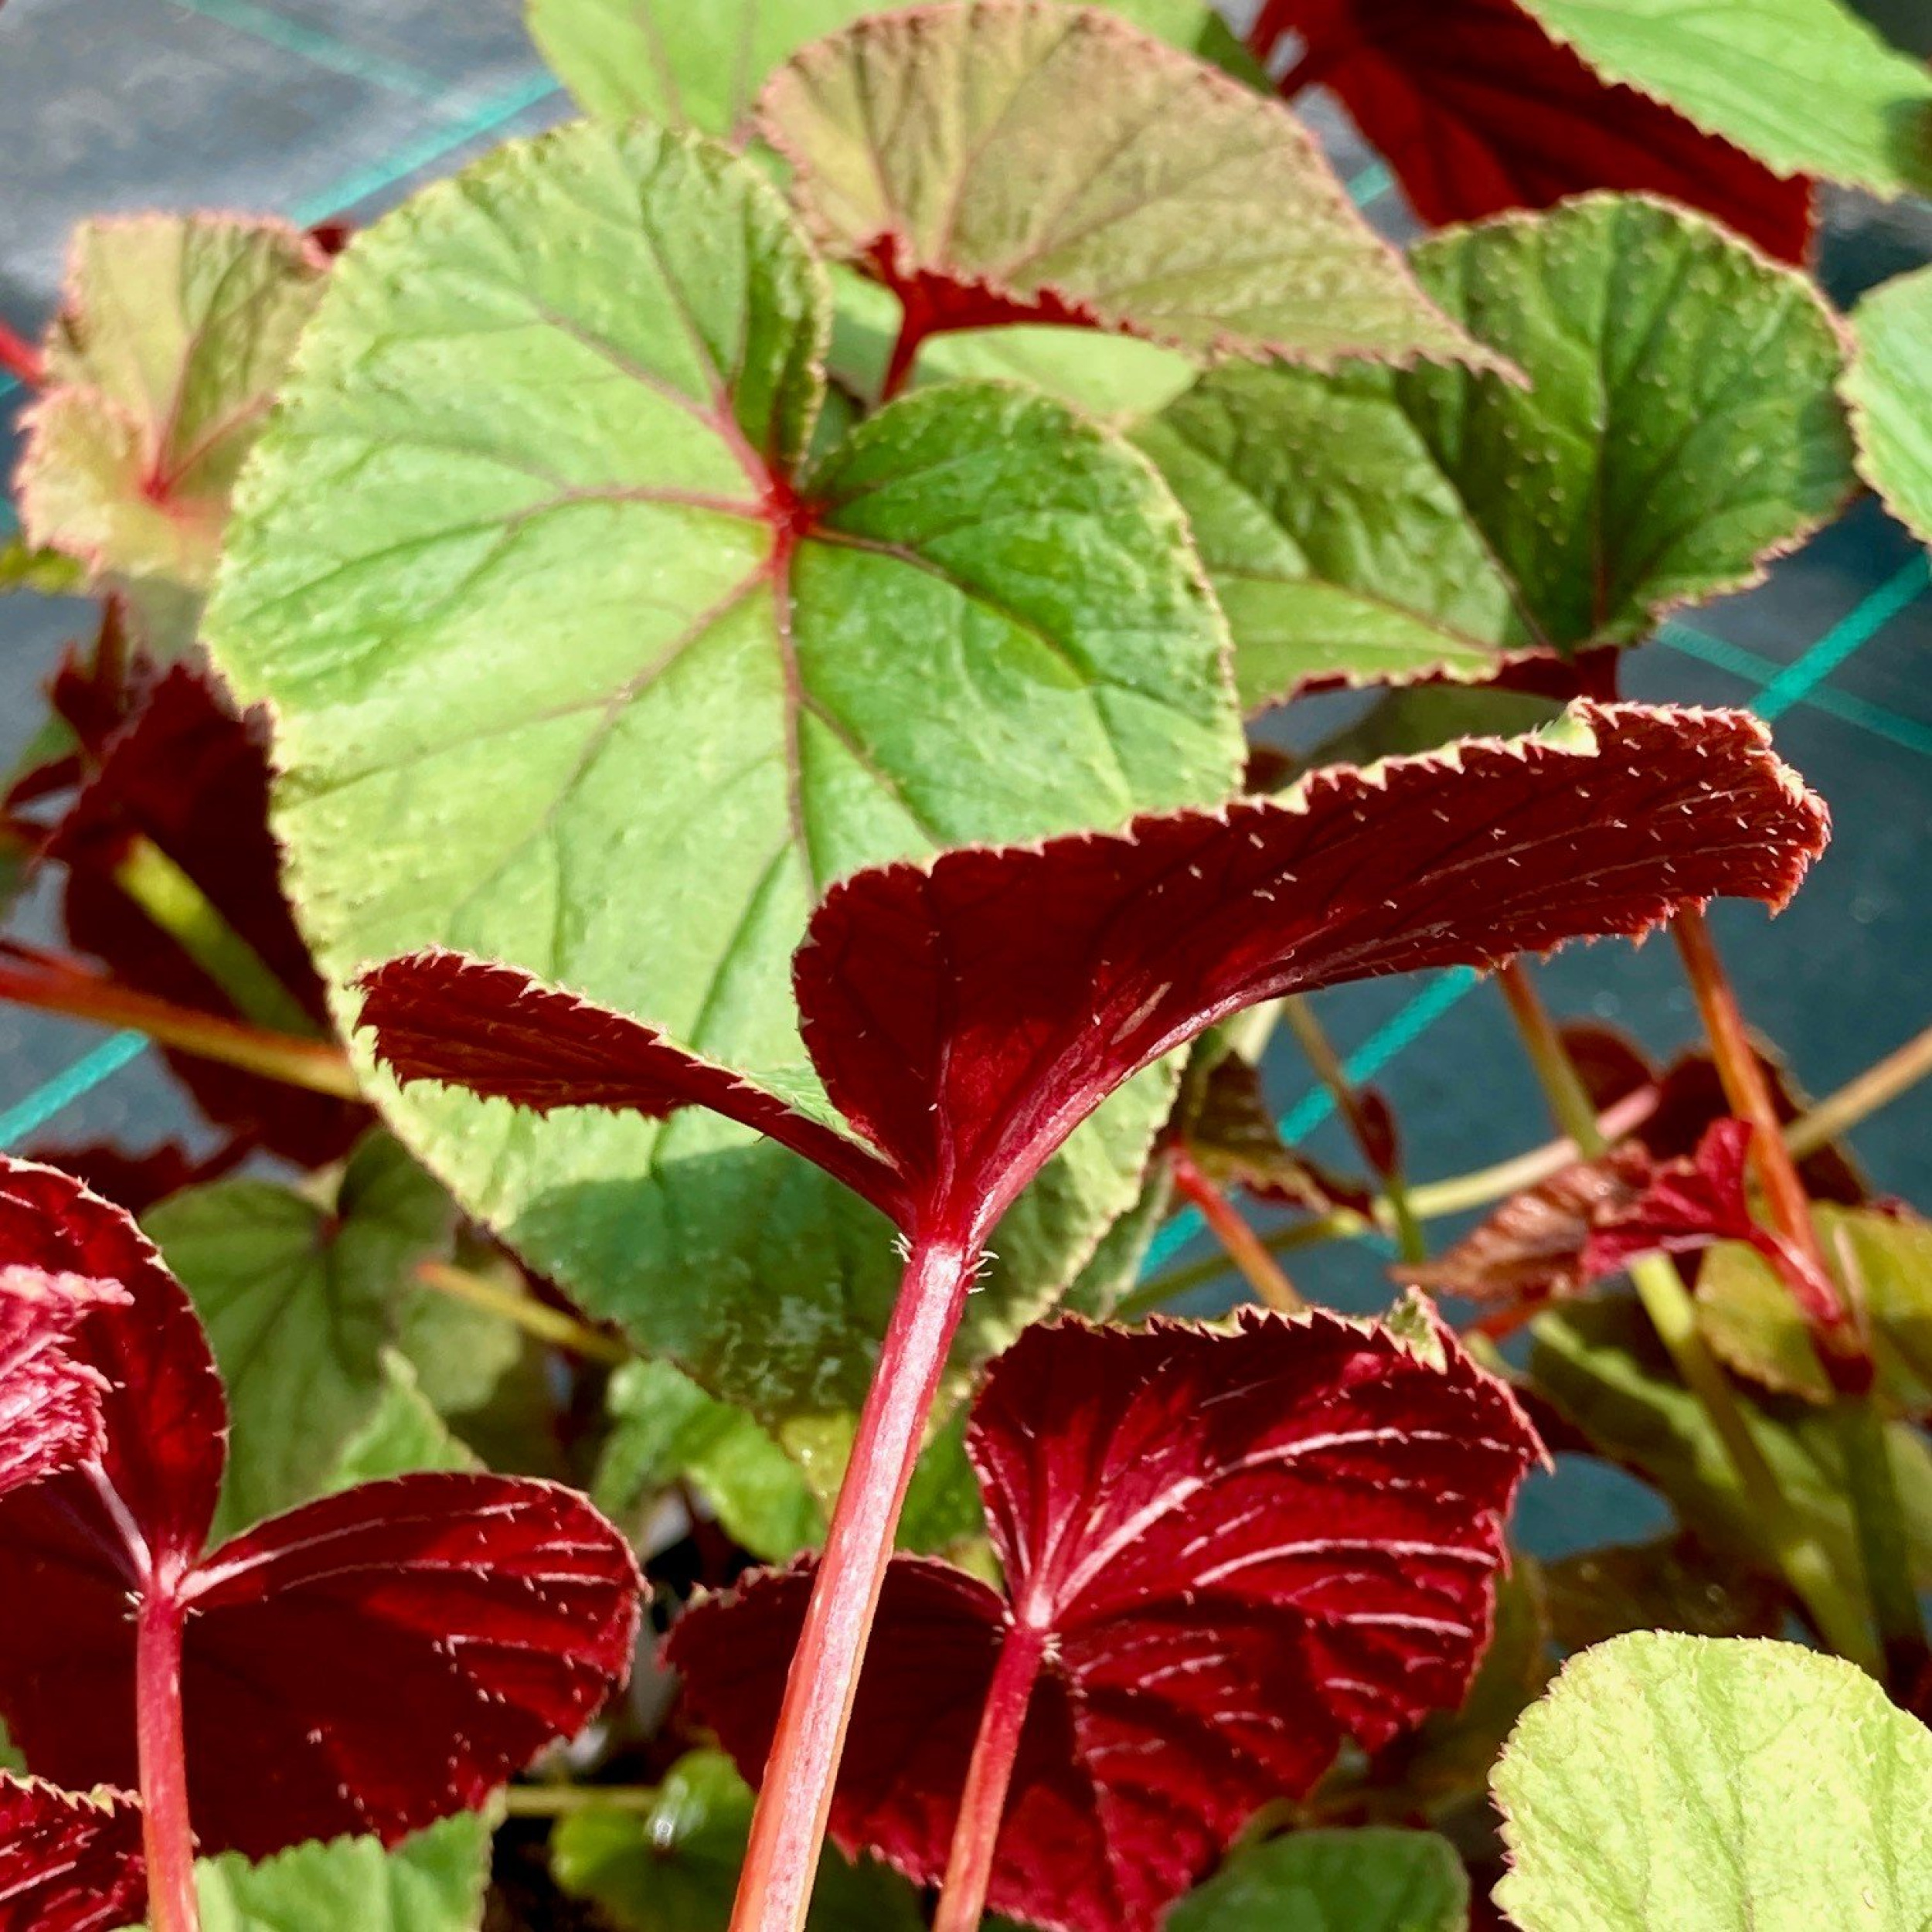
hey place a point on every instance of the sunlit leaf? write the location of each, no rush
(172, 334)
(1890, 388)
(1680, 428)
(707, 701)
(1021, 161)
(1707, 1783)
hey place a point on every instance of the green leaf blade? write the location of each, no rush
(1889, 387)
(559, 679)
(1710, 1783)
(1373, 1879)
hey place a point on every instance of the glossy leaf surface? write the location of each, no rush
(172, 334)
(1021, 161)
(1478, 111)
(1242, 1548)
(68, 1863)
(1370, 525)
(1706, 1783)
(707, 700)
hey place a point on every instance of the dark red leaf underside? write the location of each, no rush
(1477, 110)
(49, 1403)
(368, 1663)
(1532, 1248)
(439, 1015)
(185, 772)
(1245, 1547)
(1693, 1204)
(164, 1415)
(68, 1863)
(966, 1014)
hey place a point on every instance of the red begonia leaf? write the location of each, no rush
(164, 1416)
(966, 1014)
(49, 1403)
(68, 1863)
(366, 1663)
(136, 1181)
(185, 773)
(1693, 1204)
(1477, 110)
(440, 1015)
(1229, 1132)
(1532, 1248)
(1243, 1547)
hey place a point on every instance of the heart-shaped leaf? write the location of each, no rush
(68, 1863)
(172, 334)
(1022, 160)
(675, 1867)
(1477, 111)
(1371, 526)
(1705, 1782)
(49, 1401)
(702, 66)
(1804, 85)
(718, 683)
(300, 1300)
(966, 1015)
(507, 1607)
(1890, 388)
(1229, 1551)
(1883, 1264)
(1372, 1879)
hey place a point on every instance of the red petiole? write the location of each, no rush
(168, 1838)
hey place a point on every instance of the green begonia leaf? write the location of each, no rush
(1602, 1366)
(431, 1882)
(700, 63)
(172, 337)
(666, 1429)
(405, 1434)
(1049, 162)
(1804, 85)
(1672, 1583)
(1710, 1784)
(301, 1301)
(674, 1867)
(1372, 1879)
(1375, 525)
(559, 678)
(1751, 1320)
(1890, 388)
